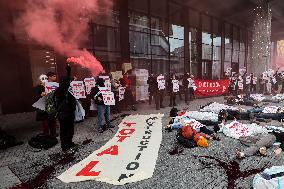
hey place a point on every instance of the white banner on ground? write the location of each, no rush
(130, 156)
(78, 89)
(50, 86)
(89, 83)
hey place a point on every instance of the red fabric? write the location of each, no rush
(211, 87)
(127, 82)
(190, 133)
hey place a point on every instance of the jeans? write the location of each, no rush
(103, 110)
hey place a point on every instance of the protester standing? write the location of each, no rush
(152, 82)
(103, 110)
(185, 83)
(161, 84)
(41, 115)
(126, 82)
(171, 90)
(66, 106)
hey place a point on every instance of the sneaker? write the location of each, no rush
(100, 130)
(134, 108)
(240, 155)
(263, 151)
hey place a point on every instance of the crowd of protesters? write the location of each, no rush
(159, 86)
(269, 82)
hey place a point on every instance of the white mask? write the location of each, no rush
(43, 78)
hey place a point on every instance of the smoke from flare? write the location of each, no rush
(62, 25)
(86, 60)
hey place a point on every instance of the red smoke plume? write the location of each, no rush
(62, 25)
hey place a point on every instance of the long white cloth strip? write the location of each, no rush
(130, 156)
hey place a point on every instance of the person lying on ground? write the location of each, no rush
(260, 143)
(255, 114)
(196, 125)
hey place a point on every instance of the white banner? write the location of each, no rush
(107, 81)
(108, 98)
(175, 85)
(161, 82)
(40, 104)
(248, 80)
(78, 89)
(121, 91)
(130, 156)
(89, 83)
(50, 86)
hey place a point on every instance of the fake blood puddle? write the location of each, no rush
(59, 159)
(232, 170)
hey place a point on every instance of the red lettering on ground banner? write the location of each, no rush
(129, 124)
(86, 171)
(121, 138)
(126, 131)
(113, 150)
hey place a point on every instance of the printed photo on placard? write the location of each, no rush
(50, 86)
(78, 89)
(89, 84)
(108, 98)
(121, 91)
(175, 85)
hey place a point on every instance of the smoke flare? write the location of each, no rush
(62, 25)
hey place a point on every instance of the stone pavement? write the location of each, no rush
(216, 169)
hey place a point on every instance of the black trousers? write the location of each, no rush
(186, 92)
(151, 97)
(172, 99)
(66, 130)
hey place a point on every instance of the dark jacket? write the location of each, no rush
(95, 93)
(66, 102)
(40, 114)
(153, 84)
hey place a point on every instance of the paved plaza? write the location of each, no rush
(212, 167)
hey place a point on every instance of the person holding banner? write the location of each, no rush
(253, 81)
(173, 88)
(185, 81)
(103, 110)
(152, 87)
(126, 82)
(161, 90)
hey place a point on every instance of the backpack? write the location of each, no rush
(43, 142)
(51, 104)
(7, 141)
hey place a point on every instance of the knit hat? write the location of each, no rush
(202, 142)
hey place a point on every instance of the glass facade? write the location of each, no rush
(166, 37)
